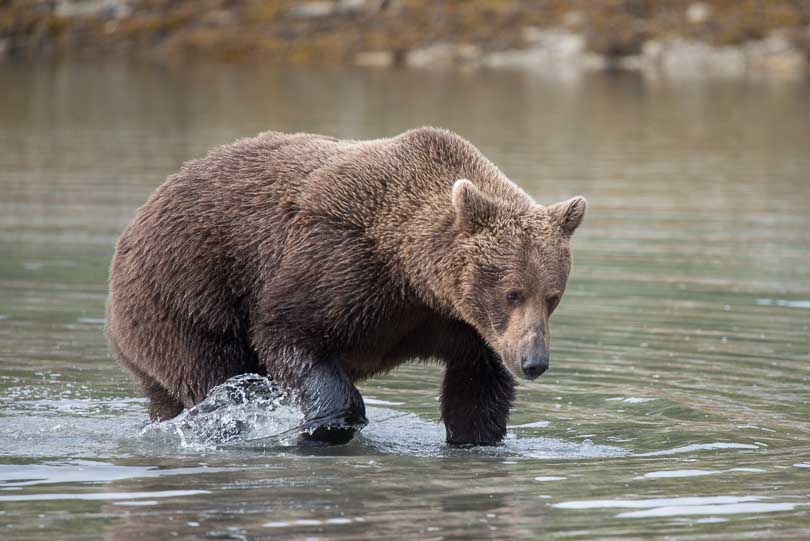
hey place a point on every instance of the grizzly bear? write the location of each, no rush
(321, 262)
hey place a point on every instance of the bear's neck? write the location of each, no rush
(424, 256)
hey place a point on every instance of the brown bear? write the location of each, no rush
(321, 262)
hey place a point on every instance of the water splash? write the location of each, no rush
(243, 409)
(248, 412)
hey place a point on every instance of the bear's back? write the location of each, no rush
(223, 220)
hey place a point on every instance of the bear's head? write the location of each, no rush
(514, 260)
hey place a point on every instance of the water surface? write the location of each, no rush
(677, 403)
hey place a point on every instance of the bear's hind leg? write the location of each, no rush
(162, 406)
(476, 396)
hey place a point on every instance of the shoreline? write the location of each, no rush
(681, 40)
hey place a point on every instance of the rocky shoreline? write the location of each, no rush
(560, 52)
(672, 38)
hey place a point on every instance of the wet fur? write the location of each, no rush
(317, 262)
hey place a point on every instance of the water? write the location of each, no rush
(677, 402)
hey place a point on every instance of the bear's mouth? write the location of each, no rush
(514, 370)
(535, 367)
(527, 355)
(528, 369)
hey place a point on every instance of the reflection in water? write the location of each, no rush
(676, 404)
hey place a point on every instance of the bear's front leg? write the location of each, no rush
(333, 407)
(476, 396)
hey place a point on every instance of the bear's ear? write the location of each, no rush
(473, 209)
(568, 214)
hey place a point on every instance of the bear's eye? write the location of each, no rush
(552, 301)
(514, 298)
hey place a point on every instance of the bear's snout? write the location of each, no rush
(528, 357)
(534, 364)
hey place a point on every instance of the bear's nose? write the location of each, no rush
(533, 366)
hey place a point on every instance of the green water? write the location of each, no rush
(677, 405)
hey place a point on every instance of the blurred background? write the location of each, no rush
(679, 393)
(676, 37)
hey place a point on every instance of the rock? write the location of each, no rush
(789, 65)
(651, 50)
(314, 10)
(374, 59)
(535, 59)
(113, 9)
(325, 8)
(574, 19)
(442, 54)
(468, 52)
(219, 17)
(351, 5)
(773, 44)
(775, 56)
(698, 13)
(682, 59)
(555, 42)
(554, 50)
(531, 33)
(633, 62)
(438, 54)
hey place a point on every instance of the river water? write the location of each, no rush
(677, 402)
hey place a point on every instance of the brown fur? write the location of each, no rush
(322, 262)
